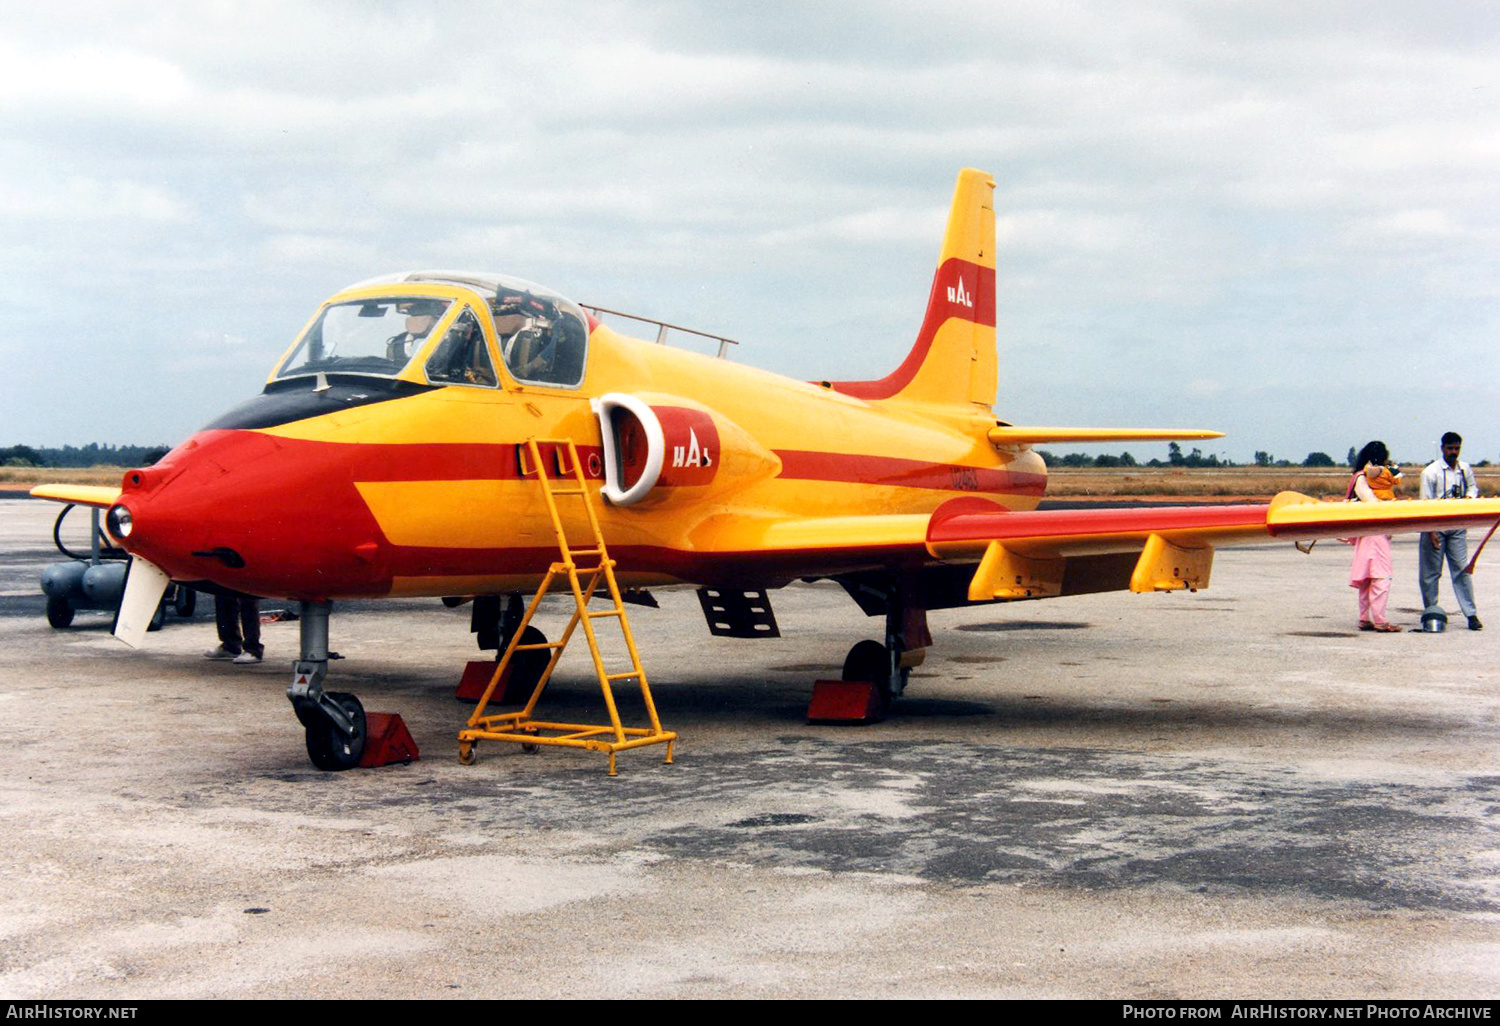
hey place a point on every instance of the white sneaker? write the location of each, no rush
(246, 659)
(220, 653)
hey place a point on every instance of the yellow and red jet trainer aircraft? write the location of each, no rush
(386, 456)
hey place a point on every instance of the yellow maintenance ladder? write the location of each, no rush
(520, 727)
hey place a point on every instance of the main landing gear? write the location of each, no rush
(888, 666)
(494, 620)
(870, 662)
(334, 720)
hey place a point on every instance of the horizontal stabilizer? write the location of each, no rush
(1007, 435)
(103, 496)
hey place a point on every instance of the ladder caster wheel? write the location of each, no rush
(466, 754)
(529, 748)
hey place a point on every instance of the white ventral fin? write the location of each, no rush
(145, 583)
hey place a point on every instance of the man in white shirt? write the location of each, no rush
(1448, 478)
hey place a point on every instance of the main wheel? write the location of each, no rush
(59, 612)
(158, 618)
(327, 746)
(526, 668)
(870, 662)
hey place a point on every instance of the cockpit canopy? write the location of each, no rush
(392, 327)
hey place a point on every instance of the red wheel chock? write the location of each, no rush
(844, 701)
(387, 740)
(476, 678)
(477, 674)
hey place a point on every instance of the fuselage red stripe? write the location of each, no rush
(854, 468)
(434, 461)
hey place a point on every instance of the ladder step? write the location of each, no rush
(624, 676)
(568, 491)
(606, 612)
(533, 648)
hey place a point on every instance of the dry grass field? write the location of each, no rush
(19, 479)
(1063, 482)
(1225, 482)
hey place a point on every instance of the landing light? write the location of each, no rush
(118, 522)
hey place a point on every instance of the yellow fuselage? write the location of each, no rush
(423, 492)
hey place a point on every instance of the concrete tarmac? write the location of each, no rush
(1224, 794)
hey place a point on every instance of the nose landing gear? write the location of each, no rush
(334, 720)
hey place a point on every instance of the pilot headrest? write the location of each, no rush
(524, 304)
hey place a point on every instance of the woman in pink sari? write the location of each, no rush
(1370, 571)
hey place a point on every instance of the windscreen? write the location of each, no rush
(372, 336)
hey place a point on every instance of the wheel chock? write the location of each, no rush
(477, 674)
(387, 740)
(844, 701)
(475, 679)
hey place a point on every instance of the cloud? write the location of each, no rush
(1187, 192)
(87, 78)
(89, 200)
(314, 249)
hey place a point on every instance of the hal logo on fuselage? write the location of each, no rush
(956, 294)
(964, 479)
(692, 454)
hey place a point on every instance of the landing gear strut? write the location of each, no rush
(334, 720)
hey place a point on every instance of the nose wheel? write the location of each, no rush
(329, 746)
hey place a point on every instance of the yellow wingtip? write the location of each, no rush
(102, 496)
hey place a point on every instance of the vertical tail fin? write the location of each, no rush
(953, 361)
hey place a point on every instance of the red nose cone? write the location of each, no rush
(259, 514)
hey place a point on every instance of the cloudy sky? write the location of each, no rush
(1276, 219)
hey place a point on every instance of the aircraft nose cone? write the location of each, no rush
(238, 509)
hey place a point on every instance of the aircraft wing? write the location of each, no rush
(1028, 554)
(103, 496)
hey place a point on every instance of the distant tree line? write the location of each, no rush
(1195, 458)
(1177, 458)
(82, 456)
